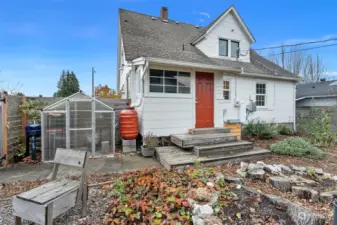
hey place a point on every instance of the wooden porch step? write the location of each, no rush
(223, 148)
(190, 140)
(209, 130)
(172, 157)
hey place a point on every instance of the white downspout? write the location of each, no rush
(140, 100)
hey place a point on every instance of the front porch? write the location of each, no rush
(210, 146)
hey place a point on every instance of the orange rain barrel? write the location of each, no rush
(128, 120)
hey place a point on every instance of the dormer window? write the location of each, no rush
(234, 49)
(226, 46)
(223, 47)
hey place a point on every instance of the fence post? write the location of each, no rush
(23, 123)
(5, 108)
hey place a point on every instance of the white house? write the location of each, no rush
(181, 76)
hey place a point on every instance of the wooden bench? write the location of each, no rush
(42, 204)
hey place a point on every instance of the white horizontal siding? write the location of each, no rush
(166, 116)
(279, 99)
(228, 28)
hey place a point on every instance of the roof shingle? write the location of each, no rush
(148, 36)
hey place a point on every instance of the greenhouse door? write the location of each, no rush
(80, 124)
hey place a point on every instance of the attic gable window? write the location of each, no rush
(223, 47)
(166, 81)
(234, 48)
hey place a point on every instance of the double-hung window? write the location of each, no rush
(261, 94)
(226, 90)
(223, 47)
(229, 46)
(234, 49)
(167, 81)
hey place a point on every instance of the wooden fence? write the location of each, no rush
(14, 122)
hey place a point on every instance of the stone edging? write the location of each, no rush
(298, 214)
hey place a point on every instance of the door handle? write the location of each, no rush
(196, 100)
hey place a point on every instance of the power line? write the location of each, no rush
(298, 44)
(304, 49)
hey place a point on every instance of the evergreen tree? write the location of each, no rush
(67, 85)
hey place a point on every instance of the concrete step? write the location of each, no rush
(173, 157)
(190, 140)
(223, 148)
(209, 130)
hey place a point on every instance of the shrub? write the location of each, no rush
(317, 123)
(283, 129)
(323, 136)
(297, 146)
(260, 129)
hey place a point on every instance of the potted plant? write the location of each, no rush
(149, 143)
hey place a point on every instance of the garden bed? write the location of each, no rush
(158, 196)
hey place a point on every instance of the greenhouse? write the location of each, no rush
(78, 122)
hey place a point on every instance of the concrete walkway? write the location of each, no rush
(102, 165)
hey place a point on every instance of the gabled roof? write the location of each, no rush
(219, 18)
(149, 36)
(318, 89)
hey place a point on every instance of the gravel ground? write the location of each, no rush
(97, 206)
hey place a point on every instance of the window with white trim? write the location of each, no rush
(235, 46)
(261, 94)
(223, 47)
(226, 90)
(167, 81)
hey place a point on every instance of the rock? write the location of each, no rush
(241, 173)
(219, 177)
(210, 185)
(305, 193)
(261, 163)
(327, 197)
(317, 171)
(325, 176)
(243, 166)
(198, 221)
(202, 211)
(217, 210)
(272, 169)
(278, 201)
(214, 200)
(212, 220)
(300, 181)
(203, 195)
(286, 170)
(253, 166)
(258, 174)
(191, 201)
(298, 168)
(234, 180)
(301, 216)
(281, 183)
(252, 210)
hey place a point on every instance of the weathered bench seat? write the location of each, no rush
(42, 204)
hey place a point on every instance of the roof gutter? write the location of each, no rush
(190, 64)
(270, 76)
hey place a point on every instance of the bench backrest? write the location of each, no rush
(70, 157)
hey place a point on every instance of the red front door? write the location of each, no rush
(204, 100)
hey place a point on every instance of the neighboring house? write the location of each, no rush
(319, 94)
(181, 76)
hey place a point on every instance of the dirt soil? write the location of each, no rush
(255, 210)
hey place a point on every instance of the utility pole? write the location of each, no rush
(93, 81)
